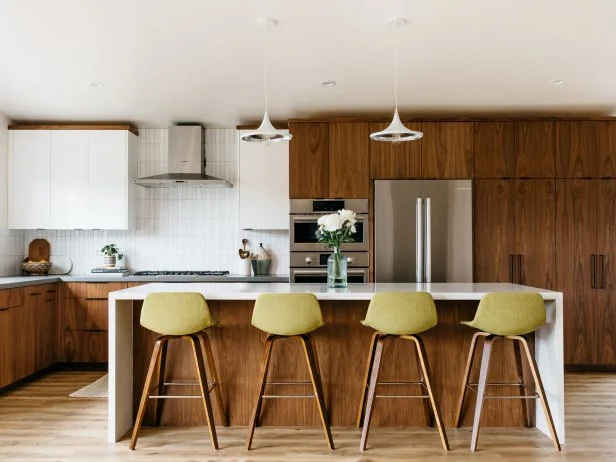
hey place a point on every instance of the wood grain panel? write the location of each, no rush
(93, 126)
(11, 297)
(535, 232)
(342, 348)
(494, 226)
(606, 272)
(85, 346)
(82, 314)
(535, 150)
(22, 333)
(46, 339)
(576, 149)
(395, 161)
(349, 160)
(91, 289)
(576, 228)
(308, 160)
(494, 149)
(6, 347)
(606, 149)
(447, 150)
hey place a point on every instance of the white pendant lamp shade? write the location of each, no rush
(396, 132)
(266, 133)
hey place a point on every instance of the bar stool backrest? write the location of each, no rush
(287, 314)
(509, 313)
(176, 313)
(401, 313)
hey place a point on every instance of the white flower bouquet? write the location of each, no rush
(337, 228)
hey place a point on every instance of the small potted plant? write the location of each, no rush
(110, 252)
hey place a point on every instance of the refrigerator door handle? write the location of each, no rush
(428, 276)
(419, 258)
(511, 268)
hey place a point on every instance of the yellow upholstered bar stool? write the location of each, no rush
(505, 316)
(285, 316)
(400, 315)
(179, 315)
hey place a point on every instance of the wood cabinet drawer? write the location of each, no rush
(84, 314)
(85, 346)
(10, 298)
(91, 290)
(51, 292)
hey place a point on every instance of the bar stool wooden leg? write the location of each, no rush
(467, 374)
(146, 392)
(205, 394)
(162, 362)
(422, 380)
(374, 377)
(265, 359)
(481, 388)
(520, 373)
(540, 390)
(211, 365)
(315, 376)
(425, 366)
(362, 404)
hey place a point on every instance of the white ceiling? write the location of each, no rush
(164, 61)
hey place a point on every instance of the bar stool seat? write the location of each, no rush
(284, 316)
(401, 315)
(505, 316)
(179, 315)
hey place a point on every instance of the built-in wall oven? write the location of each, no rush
(308, 259)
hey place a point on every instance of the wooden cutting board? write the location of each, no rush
(38, 250)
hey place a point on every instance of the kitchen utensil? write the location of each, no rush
(39, 250)
(60, 265)
(243, 252)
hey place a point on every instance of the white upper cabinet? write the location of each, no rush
(68, 178)
(263, 185)
(71, 179)
(29, 160)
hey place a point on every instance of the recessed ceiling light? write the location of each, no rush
(328, 83)
(557, 82)
(97, 83)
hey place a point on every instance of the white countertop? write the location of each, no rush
(250, 291)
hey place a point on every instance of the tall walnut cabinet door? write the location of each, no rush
(494, 149)
(535, 233)
(576, 231)
(447, 150)
(535, 149)
(349, 160)
(576, 149)
(606, 272)
(395, 161)
(493, 230)
(606, 149)
(308, 160)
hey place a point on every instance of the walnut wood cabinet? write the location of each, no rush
(514, 229)
(585, 252)
(395, 161)
(84, 321)
(10, 301)
(447, 150)
(309, 160)
(349, 160)
(586, 149)
(46, 319)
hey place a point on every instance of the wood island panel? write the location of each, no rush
(342, 348)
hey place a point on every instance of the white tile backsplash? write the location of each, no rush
(177, 229)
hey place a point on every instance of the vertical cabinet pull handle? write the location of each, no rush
(593, 271)
(519, 269)
(602, 259)
(511, 265)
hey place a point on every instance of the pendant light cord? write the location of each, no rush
(396, 65)
(265, 79)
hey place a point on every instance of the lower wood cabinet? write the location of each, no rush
(46, 320)
(22, 327)
(10, 299)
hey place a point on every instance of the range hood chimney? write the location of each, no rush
(186, 162)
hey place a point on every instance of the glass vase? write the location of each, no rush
(336, 269)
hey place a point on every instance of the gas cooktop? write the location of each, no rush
(181, 273)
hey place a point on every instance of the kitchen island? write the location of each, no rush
(342, 347)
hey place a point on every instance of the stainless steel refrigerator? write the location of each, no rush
(423, 230)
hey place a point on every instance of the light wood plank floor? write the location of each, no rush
(39, 422)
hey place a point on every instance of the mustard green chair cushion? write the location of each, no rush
(401, 313)
(176, 313)
(509, 313)
(287, 314)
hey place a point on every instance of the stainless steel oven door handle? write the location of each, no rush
(419, 245)
(428, 242)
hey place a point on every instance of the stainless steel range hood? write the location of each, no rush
(186, 162)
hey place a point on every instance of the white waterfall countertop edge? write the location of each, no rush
(250, 291)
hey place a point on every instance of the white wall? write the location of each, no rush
(11, 242)
(183, 229)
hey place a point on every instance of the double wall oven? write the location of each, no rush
(308, 260)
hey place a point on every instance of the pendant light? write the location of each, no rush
(396, 132)
(266, 133)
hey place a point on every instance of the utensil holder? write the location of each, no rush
(260, 267)
(244, 267)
